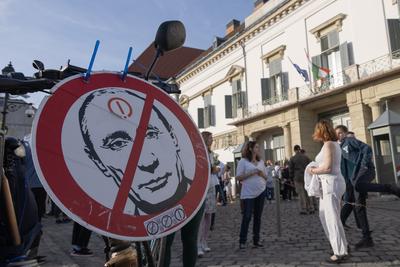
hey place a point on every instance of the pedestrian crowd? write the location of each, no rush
(338, 179)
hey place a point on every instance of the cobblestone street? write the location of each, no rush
(302, 242)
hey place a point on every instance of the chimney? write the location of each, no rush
(232, 26)
(259, 3)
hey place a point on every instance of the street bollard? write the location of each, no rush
(278, 206)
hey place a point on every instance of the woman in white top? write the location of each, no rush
(333, 188)
(252, 174)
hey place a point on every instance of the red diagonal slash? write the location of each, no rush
(133, 160)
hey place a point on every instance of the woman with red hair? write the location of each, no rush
(333, 188)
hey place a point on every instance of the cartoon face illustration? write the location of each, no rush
(159, 180)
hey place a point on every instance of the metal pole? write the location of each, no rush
(242, 44)
(278, 205)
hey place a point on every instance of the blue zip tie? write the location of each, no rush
(125, 72)
(89, 70)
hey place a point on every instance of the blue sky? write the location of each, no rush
(55, 31)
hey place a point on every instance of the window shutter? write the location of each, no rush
(324, 43)
(333, 39)
(200, 118)
(317, 62)
(394, 33)
(234, 105)
(344, 55)
(207, 117)
(239, 85)
(207, 100)
(275, 67)
(242, 100)
(273, 90)
(228, 107)
(235, 86)
(212, 115)
(265, 90)
(324, 60)
(285, 85)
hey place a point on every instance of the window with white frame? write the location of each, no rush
(236, 101)
(278, 147)
(334, 58)
(274, 88)
(206, 115)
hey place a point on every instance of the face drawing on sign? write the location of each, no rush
(159, 180)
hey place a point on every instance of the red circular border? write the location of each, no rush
(123, 100)
(48, 156)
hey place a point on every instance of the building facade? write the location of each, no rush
(247, 87)
(18, 123)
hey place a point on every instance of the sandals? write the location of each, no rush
(337, 259)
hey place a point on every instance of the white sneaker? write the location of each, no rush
(205, 247)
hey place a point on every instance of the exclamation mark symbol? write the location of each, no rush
(120, 107)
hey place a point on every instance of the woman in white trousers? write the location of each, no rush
(333, 188)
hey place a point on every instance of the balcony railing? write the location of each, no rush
(265, 105)
(350, 75)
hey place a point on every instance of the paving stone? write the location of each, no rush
(299, 244)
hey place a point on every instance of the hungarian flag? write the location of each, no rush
(318, 71)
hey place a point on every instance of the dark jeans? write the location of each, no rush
(80, 236)
(219, 189)
(40, 197)
(189, 234)
(348, 208)
(269, 193)
(358, 194)
(253, 206)
(287, 191)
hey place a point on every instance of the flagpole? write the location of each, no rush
(311, 86)
(309, 73)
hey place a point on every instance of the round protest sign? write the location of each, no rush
(120, 157)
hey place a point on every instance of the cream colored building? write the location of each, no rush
(245, 86)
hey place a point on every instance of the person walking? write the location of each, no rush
(80, 241)
(269, 191)
(39, 193)
(227, 179)
(277, 176)
(297, 166)
(251, 172)
(359, 171)
(287, 182)
(333, 188)
(216, 180)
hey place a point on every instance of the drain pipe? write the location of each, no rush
(245, 75)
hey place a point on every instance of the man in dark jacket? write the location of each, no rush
(358, 170)
(297, 166)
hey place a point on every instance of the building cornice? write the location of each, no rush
(334, 23)
(277, 52)
(236, 71)
(234, 42)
